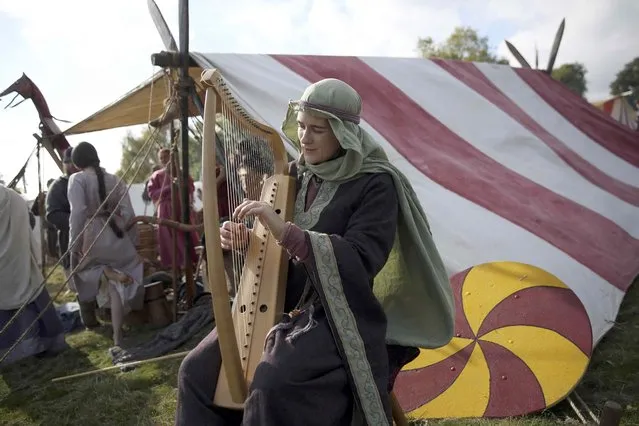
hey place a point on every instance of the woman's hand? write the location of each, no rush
(233, 235)
(265, 213)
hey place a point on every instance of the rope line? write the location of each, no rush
(148, 142)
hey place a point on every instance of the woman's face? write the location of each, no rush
(164, 157)
(319, 144)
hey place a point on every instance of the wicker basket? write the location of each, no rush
(147, 246)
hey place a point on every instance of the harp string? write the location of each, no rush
(232, 182)
(248, 162)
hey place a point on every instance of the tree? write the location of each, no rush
(626, 79)
(2, 179)
(132, 145)
(573, 76)
(463, 44)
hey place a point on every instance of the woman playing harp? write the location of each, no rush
(366, 285)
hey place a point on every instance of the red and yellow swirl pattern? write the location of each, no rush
(523, 341)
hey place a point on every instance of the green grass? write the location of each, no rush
(147, 395)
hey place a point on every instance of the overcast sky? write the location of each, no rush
(84, 54)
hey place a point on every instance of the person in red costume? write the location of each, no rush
(159, 189)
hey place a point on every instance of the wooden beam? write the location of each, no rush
(46, 143)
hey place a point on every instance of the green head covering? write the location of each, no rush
(341, 105)
(413, 287)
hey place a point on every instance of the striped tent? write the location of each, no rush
(509, 164)
(620, 108)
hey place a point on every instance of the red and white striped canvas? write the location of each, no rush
(507, 163)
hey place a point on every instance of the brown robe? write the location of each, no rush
(330, 365)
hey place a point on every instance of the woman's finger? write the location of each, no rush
(225, 233)
(238, 210)
(243, 209)
(243, 203)
(257, 210)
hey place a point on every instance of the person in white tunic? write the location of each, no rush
(22, 285)
(111, 270)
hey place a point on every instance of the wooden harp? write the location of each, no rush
(259, 299)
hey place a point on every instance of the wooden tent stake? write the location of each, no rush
(120, 366)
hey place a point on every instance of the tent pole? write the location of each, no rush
(40, 201)
(184, 92)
